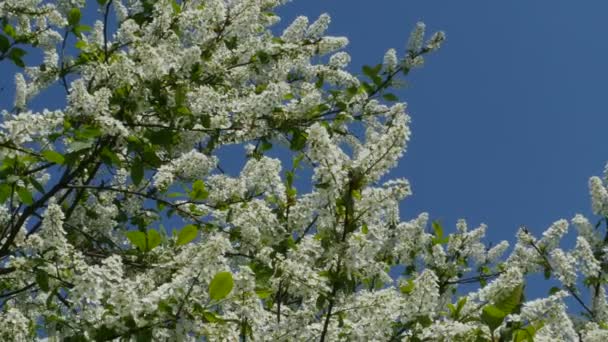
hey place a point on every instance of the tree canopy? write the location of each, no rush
(118, 221)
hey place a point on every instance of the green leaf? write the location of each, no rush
(102, 2)
(144, 335)
(289, 178)
(176, 7)
(153, 239)
(137, 171)
(5, 192)
(425, 321)
(322, 185)
(5, 44)
(364, 229)
(211, 317)
(527, 333)
(492, 316)
(137, 239)
(103, 333)
(265, 146)
(408, 288)
(231, 43)
(320, 81)
(87, 132)
(263, 57)
(221, 285)
(80, 338)
(369, 71)
(80, 45)
(80, 146)
(368, 88)
(25, 195)
(109, 157)
(298, 141)
(390, 97)
(16, 55)
(74, 16)
(260, 88)
(163, 137)
(456, 309)
(81, 28)
(36, 184)
(198, 191)
(187, 234)
(263, 293)
(511, 301)
(10, 31)
(438, 229)
(50, 297)
(151, 158)
(53, 157)
(320, 303)
(42, 279)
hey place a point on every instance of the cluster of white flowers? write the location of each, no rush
(189, 166)
(304, 245)
(390, 59)
(14, 326)
(599, 196)
(416, 38)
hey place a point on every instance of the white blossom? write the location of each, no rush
(390, 59)
(599, 196)
(414, 43)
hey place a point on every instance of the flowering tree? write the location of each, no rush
(151, 102)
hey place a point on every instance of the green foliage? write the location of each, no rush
(221, 285)
(439, 235)
(137, 239)
(74, 16)
(154, 239)
(456, 309)
(5, 191)
(199, 192)
(186, 235)
(53, 157)
(298, 140)
(25, 195)
(5, 44)
(145, 242)
(16, 55)
(494, 315)
(42, 279)
(408, 288)
(372, 73)
(511, 302)
(137, 171)
(390, 97)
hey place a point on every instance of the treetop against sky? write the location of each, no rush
(197, 170)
